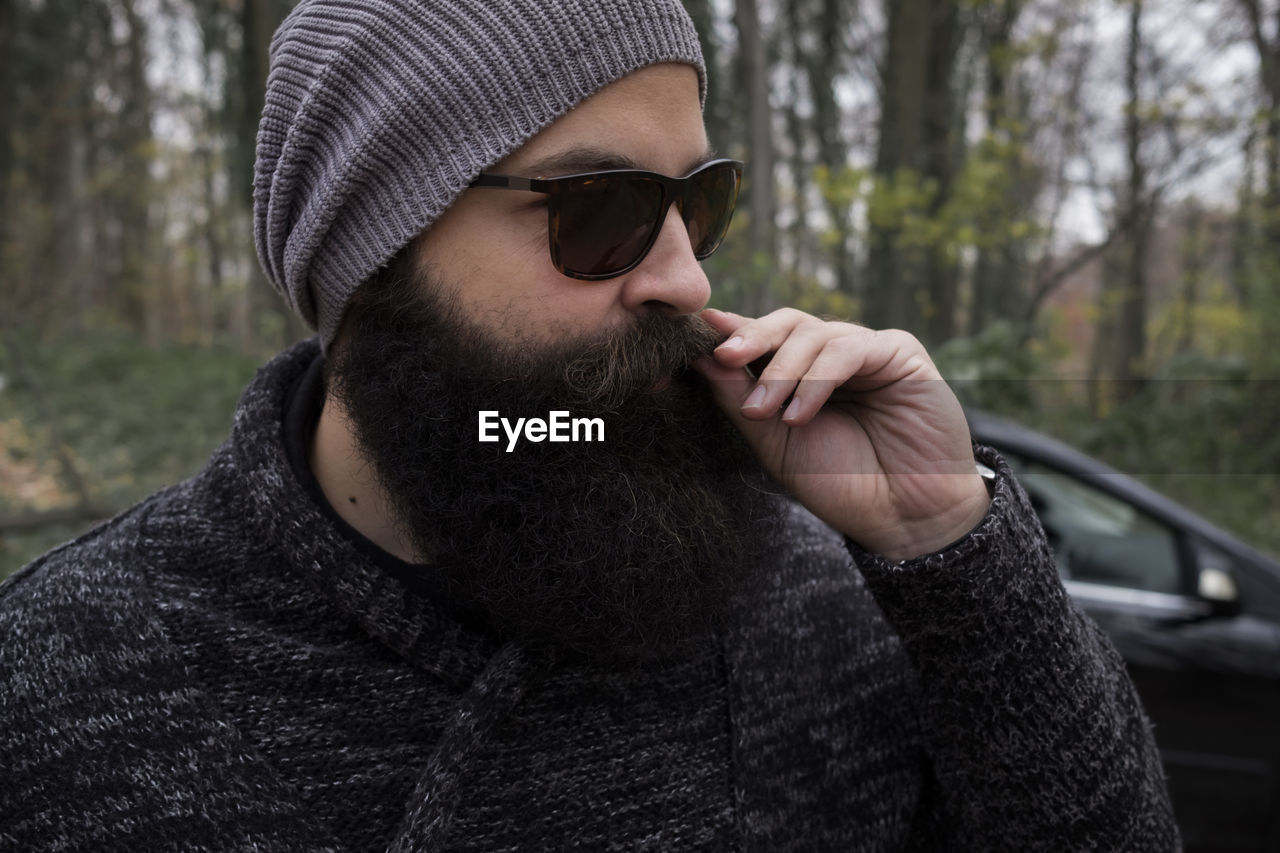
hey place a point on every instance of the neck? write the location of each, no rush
(349, 484)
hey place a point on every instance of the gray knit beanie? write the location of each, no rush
(379, 113)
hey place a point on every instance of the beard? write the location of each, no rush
(626, 549)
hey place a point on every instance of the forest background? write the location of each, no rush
(1074, 203)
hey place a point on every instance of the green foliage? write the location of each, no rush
(984, 208)
(901, 203)
(825, 302)
(987, 208)
(994, 370)
(1260, 282)
(1215, 324)
(133, 419)
(1201, 429)
(744, 279)
(841, 188)
(747, 280)
(1196, 416)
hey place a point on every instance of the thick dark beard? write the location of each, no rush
(622, 550)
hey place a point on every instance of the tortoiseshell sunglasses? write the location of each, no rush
(603, 224)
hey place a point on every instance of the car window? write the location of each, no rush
(1098, 538)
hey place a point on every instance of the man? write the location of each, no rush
(396, 613)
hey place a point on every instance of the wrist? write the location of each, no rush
(913, 539)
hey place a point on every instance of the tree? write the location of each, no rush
(915, 160)
(1268, 50)
(823, 68)
(1000, 268)
(1256, 269)
(130, 200)
(759, 189)
(720, 112)
(8, 85)
(1120, 348)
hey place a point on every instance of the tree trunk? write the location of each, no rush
(1131, 348)
(905, 286)
(799, 242)
(718, 112)
(259, 19)
(999, 270)
(1120, 346)
(1243, 228)
(1268, 50)
(1195, 246)
(823, 69)
(1102, 353)
(758, 187)
(133, 195)
(8, 100)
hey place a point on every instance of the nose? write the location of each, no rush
(670, 278)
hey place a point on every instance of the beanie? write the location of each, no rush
(379, 113)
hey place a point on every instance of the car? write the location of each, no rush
(1195, 613)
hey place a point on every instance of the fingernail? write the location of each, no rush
(792, 411)
(733, 343)
(756, 400)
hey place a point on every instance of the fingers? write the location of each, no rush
(751, 339)
(809, 359)
(792, 341)
(725, 322)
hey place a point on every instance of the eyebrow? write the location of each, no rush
(587, 159)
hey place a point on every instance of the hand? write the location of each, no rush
(871, 439)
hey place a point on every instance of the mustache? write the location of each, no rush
(622, 365)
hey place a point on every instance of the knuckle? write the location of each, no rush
(838, 353)
(901, 339)
(844, 345)
(791, 316)
(916, 364)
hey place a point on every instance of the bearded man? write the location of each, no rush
(772, 604)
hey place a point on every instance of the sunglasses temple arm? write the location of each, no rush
(510, 182)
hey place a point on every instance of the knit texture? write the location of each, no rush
(221, 668)
(380, 112)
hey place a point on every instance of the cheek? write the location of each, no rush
(482, 236)
(545, 306)
(500, 267)
(510, 249)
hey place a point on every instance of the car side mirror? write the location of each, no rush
(1216, 585)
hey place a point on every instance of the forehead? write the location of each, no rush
(650, 119)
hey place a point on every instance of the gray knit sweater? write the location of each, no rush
(224, 668)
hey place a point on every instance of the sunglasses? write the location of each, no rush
(603, 224)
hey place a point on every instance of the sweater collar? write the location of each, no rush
(316, 547)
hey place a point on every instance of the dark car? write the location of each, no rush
(1196, 614)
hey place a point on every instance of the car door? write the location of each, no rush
(1208, 671)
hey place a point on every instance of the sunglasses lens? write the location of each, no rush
(708, 206)
(603, 225)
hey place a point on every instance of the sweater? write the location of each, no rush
(226, 666)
